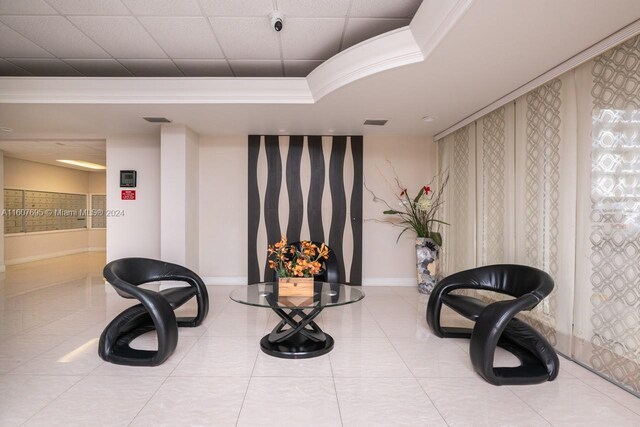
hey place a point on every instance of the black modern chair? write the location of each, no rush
(495, 324)
(155, 311)
(330, 269)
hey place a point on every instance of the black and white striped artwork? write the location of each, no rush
(308, 188)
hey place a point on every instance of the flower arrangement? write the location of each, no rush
(417, 213)
(294, 261)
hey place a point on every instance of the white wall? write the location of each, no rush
(192, 200)
(223, 207)
(27, 175)
(179, 195)
(414, 158)
(137, 232)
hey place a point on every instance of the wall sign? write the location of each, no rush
(128, 194)
(128, 179)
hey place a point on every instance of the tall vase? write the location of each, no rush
(427, 256)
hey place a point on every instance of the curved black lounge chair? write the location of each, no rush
(155, 310)
(495, 324)
(330, 270)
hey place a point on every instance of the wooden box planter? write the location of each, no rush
(295, 287)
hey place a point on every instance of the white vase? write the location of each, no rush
(427, 257)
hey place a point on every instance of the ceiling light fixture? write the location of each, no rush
(5, 129)
(83, 164)
(428, 119)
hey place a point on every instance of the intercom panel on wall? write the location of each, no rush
(128, 179)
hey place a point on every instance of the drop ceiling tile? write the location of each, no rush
(246, 38)
(163, 7)
(384, 8)
(151, 67)
(25, 7)
(57, 35)
(237, 7)
(299, 68)
(15, 45)
(45, 67)
(204, 67)
(8, 69)
(256, 68)
(359, 29)
(313, 8)
(121, 36)
(89, 7)
(184, 38)
(311, 38)
(99, 67)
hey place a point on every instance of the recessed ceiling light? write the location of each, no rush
(331, 130)
(5, 129)
(83, 164)
(428, 119)
(282, 130)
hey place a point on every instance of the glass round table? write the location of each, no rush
(297, 336)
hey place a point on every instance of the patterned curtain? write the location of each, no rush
(607, 334)
(567, 150)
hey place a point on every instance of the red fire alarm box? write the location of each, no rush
(128, 194)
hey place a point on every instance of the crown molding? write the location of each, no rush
(154, 90)
(602, 46)
(390, 50)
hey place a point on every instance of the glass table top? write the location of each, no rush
(324, 294)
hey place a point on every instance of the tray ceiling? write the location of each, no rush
(192, 38)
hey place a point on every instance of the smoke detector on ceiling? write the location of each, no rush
(157, 119)
(5, 129)
(375, 122)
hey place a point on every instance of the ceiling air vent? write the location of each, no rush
(157, 119)
(375, 122)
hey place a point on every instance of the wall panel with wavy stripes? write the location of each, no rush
(307, 188)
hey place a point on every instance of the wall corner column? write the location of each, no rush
(179, 205)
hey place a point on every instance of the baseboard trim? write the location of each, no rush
(225, 280)
(372, 281)
(394, 281)
(97, 249)
(50, 255)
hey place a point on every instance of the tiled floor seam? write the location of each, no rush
(637, 412)
(56, 398)
(527, 403)
(405, 364)
(148, 400)
(432, 402)
(333, 378)
(161, 384)
(248, 385)
(35, 357)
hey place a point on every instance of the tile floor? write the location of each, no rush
(386, 368)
